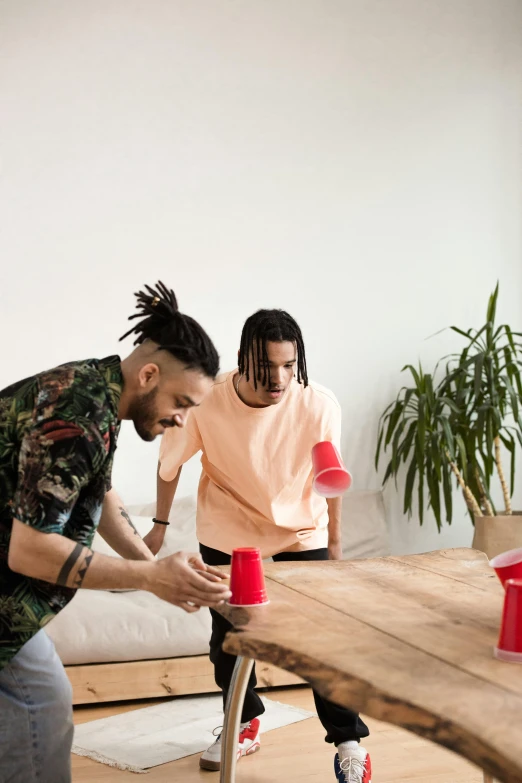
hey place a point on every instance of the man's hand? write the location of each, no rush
(165, 495)
(186, 581)
(154, 538)
(196, 561)
(335, 550)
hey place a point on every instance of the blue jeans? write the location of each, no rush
(36, 726)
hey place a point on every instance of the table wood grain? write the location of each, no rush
(407, 640)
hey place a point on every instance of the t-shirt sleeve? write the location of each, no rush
(57, 459)
(178, 445)
(332, 424)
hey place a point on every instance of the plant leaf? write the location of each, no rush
(448, 494)
(392, 423)
(408, 489)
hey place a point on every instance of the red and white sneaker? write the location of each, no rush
(352, 764)
(249, 742)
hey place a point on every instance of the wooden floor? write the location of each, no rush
(295, 752)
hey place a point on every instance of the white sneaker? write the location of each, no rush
(352, 764)
(248, 743)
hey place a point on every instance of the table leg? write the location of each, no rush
(234, 706)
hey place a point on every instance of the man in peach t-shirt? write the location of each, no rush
(256, 429)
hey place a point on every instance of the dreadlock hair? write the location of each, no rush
(175, 332)
(269, 326)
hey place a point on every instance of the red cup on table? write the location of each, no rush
(509, 648)
(331, 479)
(247, 578)
(508, 565)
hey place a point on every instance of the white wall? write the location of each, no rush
(357, 162)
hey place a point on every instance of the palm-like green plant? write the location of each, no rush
(416, 426)
(452, 431)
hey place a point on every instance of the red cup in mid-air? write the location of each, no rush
(509, 648)
(331, 479)
(508, 565)
(247, 578)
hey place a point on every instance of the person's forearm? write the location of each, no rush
(118, 531)
(56, 559)
(165, 495)
(334, 520)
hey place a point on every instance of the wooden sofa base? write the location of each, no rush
(101, 682)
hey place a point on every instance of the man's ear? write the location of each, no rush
(148, 376)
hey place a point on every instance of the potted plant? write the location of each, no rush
(461, 426)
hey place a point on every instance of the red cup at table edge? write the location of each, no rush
(509, 648)
(508, 565)
(331, 479)
(247, 578)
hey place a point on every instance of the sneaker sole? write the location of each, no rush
(215, 766)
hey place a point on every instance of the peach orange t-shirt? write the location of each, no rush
(256, 480)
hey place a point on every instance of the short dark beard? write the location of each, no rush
(144, 414)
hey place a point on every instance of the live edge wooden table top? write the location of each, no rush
(407, 640)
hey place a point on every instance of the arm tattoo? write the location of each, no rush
(80, 576)
(69, 564)
(127, 517)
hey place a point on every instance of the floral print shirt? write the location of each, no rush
(58, 433)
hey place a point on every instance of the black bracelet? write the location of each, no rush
(159, 521)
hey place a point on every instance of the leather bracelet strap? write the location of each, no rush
(159, 521)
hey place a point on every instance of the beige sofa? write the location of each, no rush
(129, 644)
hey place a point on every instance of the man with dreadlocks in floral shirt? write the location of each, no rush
(58, 433)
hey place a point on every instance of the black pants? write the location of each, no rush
(340, 723)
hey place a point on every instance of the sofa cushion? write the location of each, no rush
(365, 533)
(98, 626)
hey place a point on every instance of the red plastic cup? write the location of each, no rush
(331, 479)
(509, 647)
(247, 579)
(508, 565)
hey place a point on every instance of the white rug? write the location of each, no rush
(140, 739)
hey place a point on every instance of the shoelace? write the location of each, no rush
(217, 733)
(219, 730)
(353, 769)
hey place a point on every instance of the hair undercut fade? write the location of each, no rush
(175, 332)
(269, 326)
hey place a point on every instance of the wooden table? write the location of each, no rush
(407, 640)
